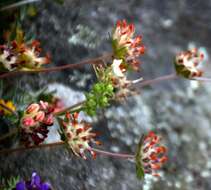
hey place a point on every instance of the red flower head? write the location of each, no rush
(78, 135)
(188, 63)
(125, 46)
(35, 122)
(150, 155)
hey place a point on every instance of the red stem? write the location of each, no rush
(105, 153)
(203, 79)
(112, 154)
(57, 68)
(157, 80)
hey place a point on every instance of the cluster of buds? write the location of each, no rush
(188, 63)
(117, 75)
(150, 155)
(19, 56)
(78, 135)
(9, 105)
(126, 46)
(35, 122)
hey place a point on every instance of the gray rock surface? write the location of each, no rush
(176, 109)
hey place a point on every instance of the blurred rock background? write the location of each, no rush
(178, 110)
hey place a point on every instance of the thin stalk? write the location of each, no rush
(18, 4)
(137, 81)
(70, 109)
(49, 145)
(21, 149)
(9, 109)
(113, 154)
(203, 79)
(57, 68)
(156, 80)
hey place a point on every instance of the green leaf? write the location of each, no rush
(138, 158)
(10, 183)
(182, 71)
(61, 130)
(139, 171)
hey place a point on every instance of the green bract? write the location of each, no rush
(139, 166)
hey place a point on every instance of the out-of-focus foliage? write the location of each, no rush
(9, 184)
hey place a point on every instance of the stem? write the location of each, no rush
(112, 154)
(18, 4)
(71, 108)
(157, 80)
(12, 132)
(57, 68)
(9, 109)
(20, 149)
(105, 153)
(204, 79)
(80, 104)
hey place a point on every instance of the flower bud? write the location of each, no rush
(28, 122)
(43, 105)
(40, 116)
(35, 122)
(32, 108)
(49, 120)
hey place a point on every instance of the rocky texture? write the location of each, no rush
(176, 109)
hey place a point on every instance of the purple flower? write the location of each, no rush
(34, 184)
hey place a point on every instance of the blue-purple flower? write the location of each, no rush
(34, 184)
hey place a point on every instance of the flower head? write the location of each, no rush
(116, 75)
(125, 45)
(151, 155)
(21, 56)
(78, 135)
(29, 55)
(188, 63)
(34, 184)
(35, 122)
(8, 104)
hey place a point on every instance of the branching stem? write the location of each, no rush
(80, 104)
